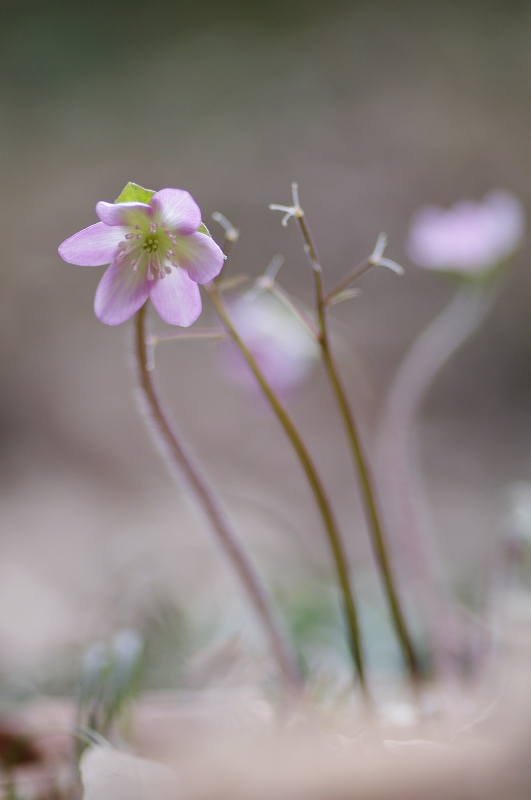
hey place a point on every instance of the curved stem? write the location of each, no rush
(398, 459)
(316, 486)
(435, 346)
(182, 461)
(361, 463)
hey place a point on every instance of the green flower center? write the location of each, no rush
(151, 244)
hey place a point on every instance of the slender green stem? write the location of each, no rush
(356, 273)
(314, 480)
(368, 492)
(184, 463)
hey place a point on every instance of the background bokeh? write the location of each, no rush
(374, 108)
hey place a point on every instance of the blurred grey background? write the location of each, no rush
(374, 108)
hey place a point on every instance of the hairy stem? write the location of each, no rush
(400, 471)
(184, 464)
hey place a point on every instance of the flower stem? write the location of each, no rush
(398, 459)
(182, 462)
(366, 482)
(315, 483)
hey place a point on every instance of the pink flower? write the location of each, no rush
(468, 237)
(282, 346)
(154, 250)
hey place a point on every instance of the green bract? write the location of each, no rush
(133, 193)
(203, 229)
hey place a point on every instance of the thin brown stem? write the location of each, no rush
(361, 463)
(315, 483)
(184, 464)
(356, 273)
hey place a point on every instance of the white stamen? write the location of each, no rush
(291, 211)
(392, 265)
(295, 194)
(379, 249)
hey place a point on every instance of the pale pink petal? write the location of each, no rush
(120, 294)
(200, 256)
(93, 246)
(284, 349)
(467, 237)
(126, 214)
(508, 219)
(176, 298)
(177, 209)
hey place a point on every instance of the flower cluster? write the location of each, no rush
(154, 250)
(468, 237)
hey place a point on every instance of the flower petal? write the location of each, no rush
(93, 246)
(468, 237)
(176, 298)
(120, 294)
(177, 209)
(200, 256)
(126, 214)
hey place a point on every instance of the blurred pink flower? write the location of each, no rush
(283, 347)
(154, 250)
(469, 237)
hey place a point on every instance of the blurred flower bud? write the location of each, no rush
(283, 347)
(469, 238)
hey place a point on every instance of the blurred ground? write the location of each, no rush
(374, 108)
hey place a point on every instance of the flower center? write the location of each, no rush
(151, 244)
(148, 247)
